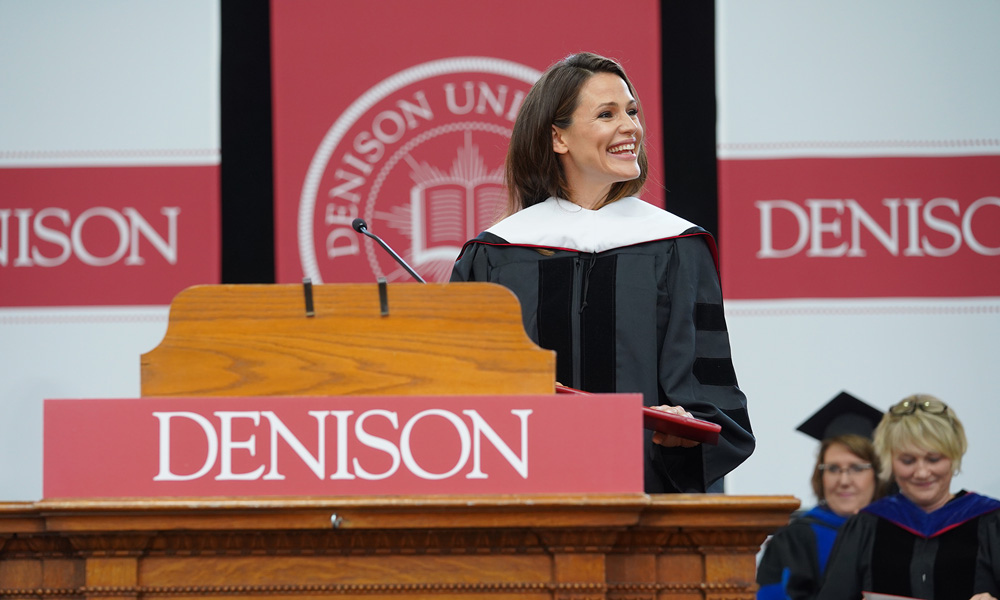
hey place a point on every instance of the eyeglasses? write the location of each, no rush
(853, 469)
(907, 407)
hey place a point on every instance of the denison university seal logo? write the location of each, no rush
(420, 158)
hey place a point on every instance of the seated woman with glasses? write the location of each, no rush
(843, 480)
(925, 541)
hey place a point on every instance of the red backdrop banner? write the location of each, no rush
(399, 113)
(866, 227)
(91, 236)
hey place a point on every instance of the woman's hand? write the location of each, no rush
(983, 596)
(673, 441)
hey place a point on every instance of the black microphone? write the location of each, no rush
(360, 226)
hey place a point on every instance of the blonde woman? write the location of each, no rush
(925, 541)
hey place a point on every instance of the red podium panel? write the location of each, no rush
(342, 445)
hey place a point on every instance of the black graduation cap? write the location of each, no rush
(842, 415)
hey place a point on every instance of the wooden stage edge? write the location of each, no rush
(567, 547)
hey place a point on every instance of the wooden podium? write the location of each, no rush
(434, 339)
(349, 339)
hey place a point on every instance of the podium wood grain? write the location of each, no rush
(456, 338)
(541, 547)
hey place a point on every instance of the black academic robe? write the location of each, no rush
(629, 298)
(796, 555)
(894, 547)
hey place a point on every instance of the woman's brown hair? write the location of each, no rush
(533, 172)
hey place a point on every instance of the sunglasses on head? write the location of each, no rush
(907, 407)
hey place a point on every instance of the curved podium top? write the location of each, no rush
(452, 338)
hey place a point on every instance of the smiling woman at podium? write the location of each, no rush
(626, 293)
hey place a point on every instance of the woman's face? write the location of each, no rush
(848, 481)
(923, 476)
(601, 145)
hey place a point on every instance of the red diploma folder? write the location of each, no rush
(664, 422)
(685, 427)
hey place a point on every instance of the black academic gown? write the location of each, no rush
(796, 555)
(894, 547)
(629, 298)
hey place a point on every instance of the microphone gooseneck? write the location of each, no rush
(360, 226)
